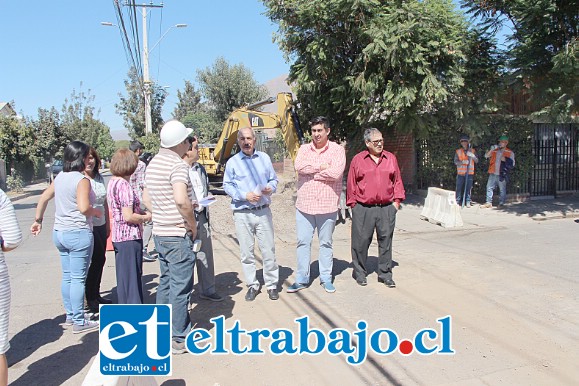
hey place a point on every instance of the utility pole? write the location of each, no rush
(146, 80)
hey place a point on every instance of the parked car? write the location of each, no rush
(56, 168)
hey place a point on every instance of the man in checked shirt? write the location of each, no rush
(320, 166)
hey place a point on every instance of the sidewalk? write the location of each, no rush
(28, 190)
(538, 210)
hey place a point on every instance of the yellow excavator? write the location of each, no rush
(214, 156)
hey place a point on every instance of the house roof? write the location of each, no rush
(6, 109)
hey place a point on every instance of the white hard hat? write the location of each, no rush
(173, 133)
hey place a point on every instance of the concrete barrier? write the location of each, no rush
(440, 208)
(95, 378)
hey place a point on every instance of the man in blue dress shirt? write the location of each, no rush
(250, 181)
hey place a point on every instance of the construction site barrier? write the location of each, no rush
(440, 208)
(95, 378)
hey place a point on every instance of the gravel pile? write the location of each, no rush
(282, 208)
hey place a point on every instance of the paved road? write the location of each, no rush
(509, 283)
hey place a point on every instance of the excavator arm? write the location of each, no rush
(286, 120)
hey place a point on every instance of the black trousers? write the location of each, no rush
(97, 262)
(366, 220)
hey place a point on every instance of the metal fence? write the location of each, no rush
(556, 159)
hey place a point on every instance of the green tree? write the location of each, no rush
(365, 62)
(204, 124)
(105, 144)
(543, 48)
(132, 106)
(122, 143)
(188, 103)
(49, 136)
(78, 122)
(228, 87)
(15, 141)
(151, 142)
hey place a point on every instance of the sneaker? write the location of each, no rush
(501, 206)
(215, 297)
(295, 287)
(149, 257)
(468, 205)
(328, 287)
(178, 347)
(487, 205)
(89, 325)
(87, 316)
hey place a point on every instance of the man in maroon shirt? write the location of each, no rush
(374, 193)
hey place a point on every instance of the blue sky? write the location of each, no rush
(50, 47)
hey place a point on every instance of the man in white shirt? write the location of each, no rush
(204, 259)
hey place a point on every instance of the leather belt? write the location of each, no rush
(252, 208)
(374, 205)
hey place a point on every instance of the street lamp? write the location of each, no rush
(146, 80)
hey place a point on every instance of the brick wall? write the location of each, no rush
(402, 145)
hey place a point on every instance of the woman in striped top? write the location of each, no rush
(10, 237)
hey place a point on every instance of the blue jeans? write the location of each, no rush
(176, 260)
(75, 249)
(306, 224)
(491, 185)
(460, 188)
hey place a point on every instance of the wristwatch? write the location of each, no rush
(38, 220)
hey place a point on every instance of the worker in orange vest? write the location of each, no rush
(464, 159)
(501, 161)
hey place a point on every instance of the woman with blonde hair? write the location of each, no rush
(127, 236)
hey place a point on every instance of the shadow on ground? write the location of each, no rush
(227, 284)
(33, 337)
(58, 368)
(339, 267)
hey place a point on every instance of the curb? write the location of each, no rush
(20, 196)
(554, 217)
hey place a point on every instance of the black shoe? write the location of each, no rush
(363, 282)
(251, 294)
(387, 282)
(102, 300)
(92, 306)
(273, 294)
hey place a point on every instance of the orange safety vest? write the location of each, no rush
(461, 169)
(507, 153)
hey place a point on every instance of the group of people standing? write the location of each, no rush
(374, 192)
(501, 162)
(170, 196)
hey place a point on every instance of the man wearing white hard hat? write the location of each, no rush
(168, 195)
